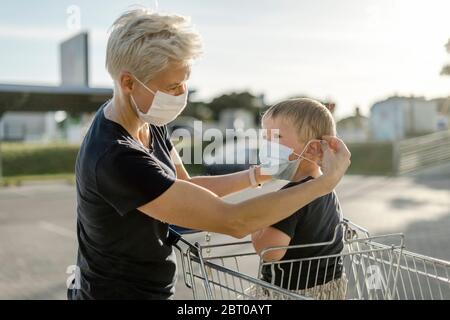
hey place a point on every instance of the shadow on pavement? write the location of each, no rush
(430, 238)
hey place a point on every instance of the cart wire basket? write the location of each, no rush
(209, 280)
(368, 268)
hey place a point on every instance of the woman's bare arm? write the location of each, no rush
(221, 185)
(192, 206)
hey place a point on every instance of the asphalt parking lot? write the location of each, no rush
(38, 242)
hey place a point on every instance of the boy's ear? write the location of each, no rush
(314, 150)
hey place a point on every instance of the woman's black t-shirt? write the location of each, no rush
(314, 223)
(122, 252)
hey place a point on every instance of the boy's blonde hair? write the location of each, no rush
(311, 118)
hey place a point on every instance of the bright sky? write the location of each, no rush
(355, 52)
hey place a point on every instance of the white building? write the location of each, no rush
(28, 126)
(237, 119)
(401, 117)
(443, 113)
(354, 128)
(32, 113)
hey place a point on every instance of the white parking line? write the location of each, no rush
(64, 232)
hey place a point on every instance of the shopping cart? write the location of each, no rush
(213, 281)
(419, 277)
(374, 267)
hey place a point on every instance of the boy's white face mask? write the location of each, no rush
(164, 109)
(274, 158)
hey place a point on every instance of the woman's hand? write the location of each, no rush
(335, 161)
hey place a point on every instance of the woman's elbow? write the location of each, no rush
(237, 231)
(232, 224)
(242, 228)
(240, 235)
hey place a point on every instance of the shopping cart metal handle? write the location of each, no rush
(183, 230)
(175, 237)
(355, 226)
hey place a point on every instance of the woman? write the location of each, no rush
(131, 183)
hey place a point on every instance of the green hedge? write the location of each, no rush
(371, 159)
(29, 159)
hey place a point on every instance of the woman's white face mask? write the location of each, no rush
(164, 109)
(274, 158)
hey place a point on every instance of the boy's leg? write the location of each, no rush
(257, 292)
(333, 290)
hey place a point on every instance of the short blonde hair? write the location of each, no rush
(144, 42)
(311, 118)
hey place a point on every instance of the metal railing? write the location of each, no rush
(421, 152)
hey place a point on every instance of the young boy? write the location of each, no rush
(301, 123)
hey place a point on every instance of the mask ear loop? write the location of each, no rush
(300, 156)
(147, 88)
(142, 84)
(136, 108)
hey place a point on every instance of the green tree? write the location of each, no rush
(198, 110)
(446, 69)
(241, 100)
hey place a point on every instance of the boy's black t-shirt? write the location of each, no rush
(122, 252)
(314, 223)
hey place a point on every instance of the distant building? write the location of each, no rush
(443, 106)
(401, 117)
(34, 113)
(29, 126)
(354, 128)
(236, 119)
